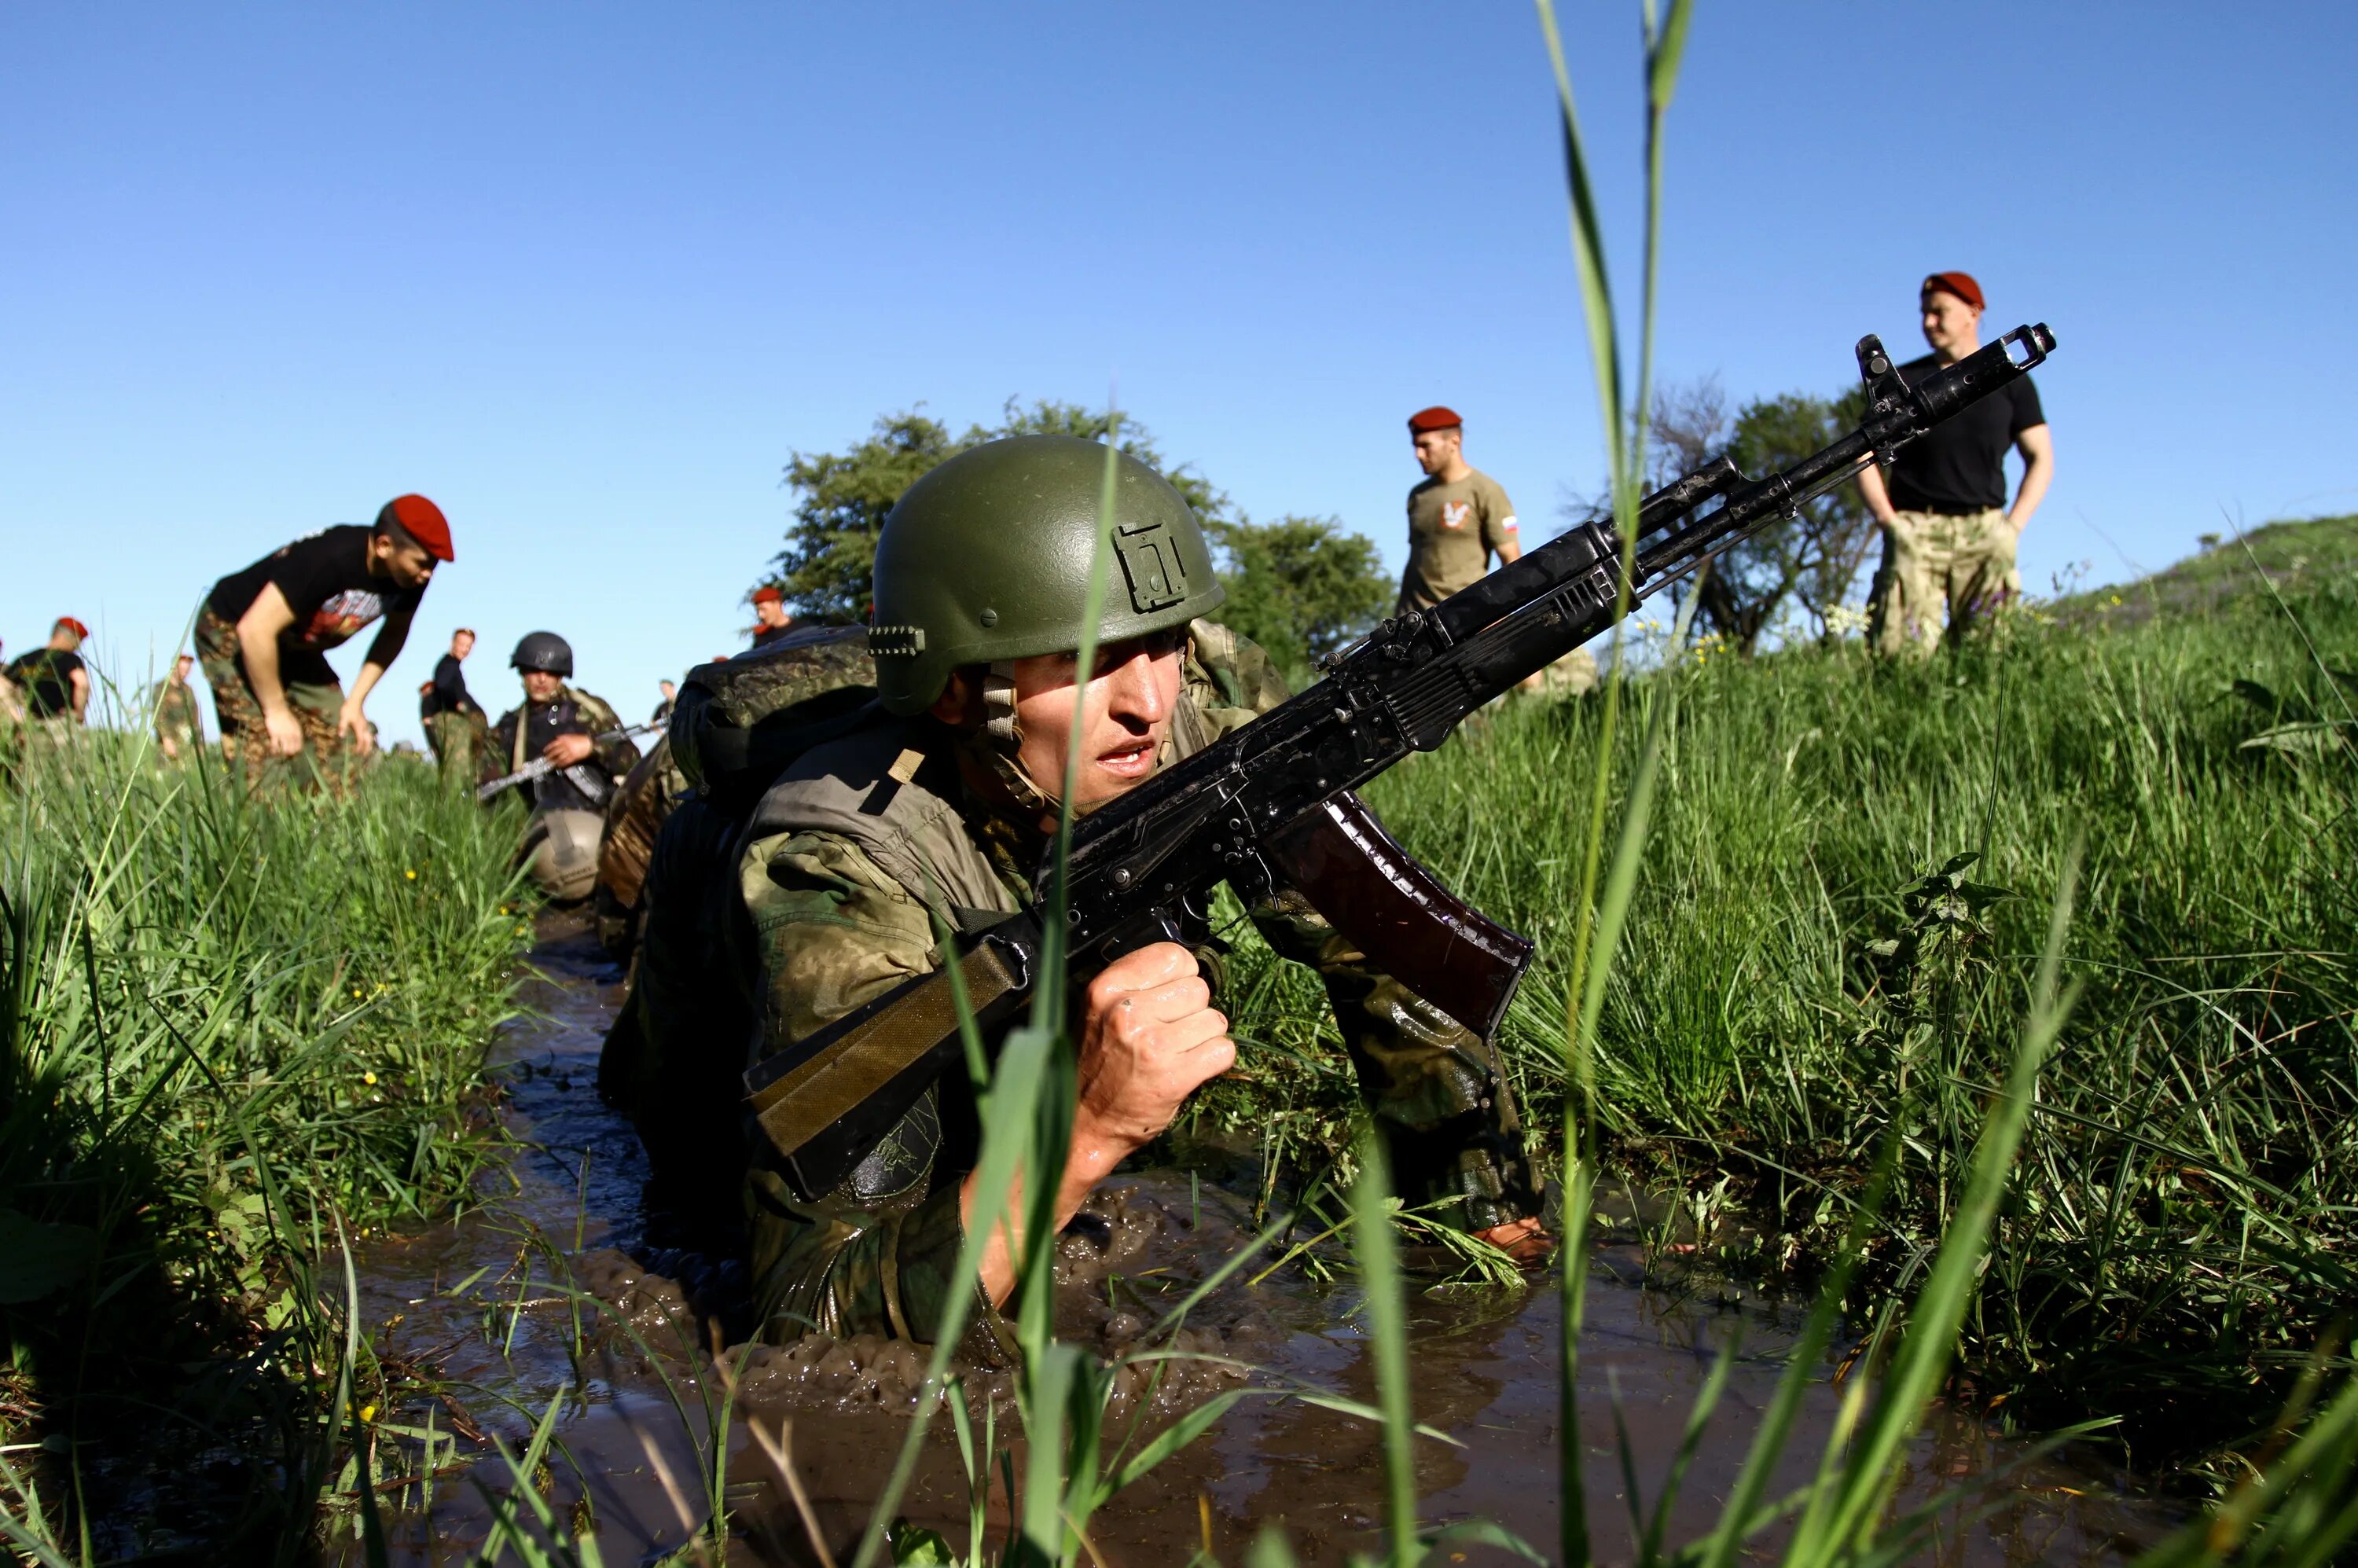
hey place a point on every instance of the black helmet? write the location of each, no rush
(544, 651)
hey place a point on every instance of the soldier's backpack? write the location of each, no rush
(673, 1057)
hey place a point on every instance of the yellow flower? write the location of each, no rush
(368, 1078)
(368, 1412)
(411, 875)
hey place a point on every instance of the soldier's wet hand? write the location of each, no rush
(566, 749)
(1150, 1036)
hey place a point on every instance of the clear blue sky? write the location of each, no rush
(586, 275)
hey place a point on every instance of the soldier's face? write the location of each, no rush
(1125, 715)
(463, 645)
(541, 686)
(1951, 326)
(180, 668)
(1434, 448)
(770, 612)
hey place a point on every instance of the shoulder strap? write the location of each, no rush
(865, 787)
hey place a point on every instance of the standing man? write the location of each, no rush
(264, 634)
(1949, 537)
(1458, 517)
(670, 690)
(53, 683)
(454, 725)
(563, 725)
(179, 730)
(770, 617)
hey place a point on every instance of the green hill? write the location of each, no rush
(2294, 556)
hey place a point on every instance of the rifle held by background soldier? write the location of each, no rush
(588, 782)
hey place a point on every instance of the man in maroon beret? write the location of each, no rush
(771, 620)
(1949, 537)
(1458, 517)
(264, 634)
(51, 683)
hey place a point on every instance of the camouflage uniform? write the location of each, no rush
(176, 721)
(509, 749)
(460, 741)
(244, 735)
(832, 927)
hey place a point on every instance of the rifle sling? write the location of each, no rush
(825, 1100)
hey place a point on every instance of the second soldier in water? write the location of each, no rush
(567, 803)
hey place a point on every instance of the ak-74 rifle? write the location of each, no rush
(588, 783)
(1272, 803)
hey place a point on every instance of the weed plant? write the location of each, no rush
(236, 1033)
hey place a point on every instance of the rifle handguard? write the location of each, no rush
(825, 1101)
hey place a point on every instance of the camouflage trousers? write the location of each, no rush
(245, 737)
(458, 740)
(1933, 560)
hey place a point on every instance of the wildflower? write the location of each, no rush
(368, 1078)
(411, 875)
(368, 1412)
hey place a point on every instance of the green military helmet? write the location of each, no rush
(987, 558)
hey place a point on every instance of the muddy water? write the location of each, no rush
(499, 1307)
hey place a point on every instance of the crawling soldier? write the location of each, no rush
(940, 807)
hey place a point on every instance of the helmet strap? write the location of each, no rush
(999, 741)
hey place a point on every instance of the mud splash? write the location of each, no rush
(562, 1280)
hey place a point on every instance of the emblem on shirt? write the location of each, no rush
(1454, 512)
(1507, 524)
(341, 616)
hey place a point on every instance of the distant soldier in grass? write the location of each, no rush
(1949, 537)
(454, 725)
(569, 805)
(1458, 517)
(264, 634)
(771, 620)
(53, 683)
(180, 728)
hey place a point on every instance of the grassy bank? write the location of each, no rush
(230, 1034)
(2182, 1233)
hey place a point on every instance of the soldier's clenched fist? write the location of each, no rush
(1149, 1035)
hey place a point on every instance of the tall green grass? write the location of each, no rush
(234, 1035)
(2180, 1244)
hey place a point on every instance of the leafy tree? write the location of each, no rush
(841, 498)
(1300, 587)
(1812, 559)
(1808, 563)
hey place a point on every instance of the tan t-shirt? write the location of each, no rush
(1451, 531)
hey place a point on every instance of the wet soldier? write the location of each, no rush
(1949, 537)
(454, 725)
(939, 806)
(180, 728)
(53, 683)
(771, 620)
(264, 634)
(568, 804)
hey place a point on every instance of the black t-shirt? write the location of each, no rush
(326, 581)
(765, 636)
(449, 692)
(46, 677)
(1959, 465)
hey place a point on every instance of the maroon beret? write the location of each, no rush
(1437, 417)
(1959, 284)
(769, 593)
(422, 521)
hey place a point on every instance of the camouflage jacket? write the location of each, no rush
(176, 711)
(521, 733)
(838, 917)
